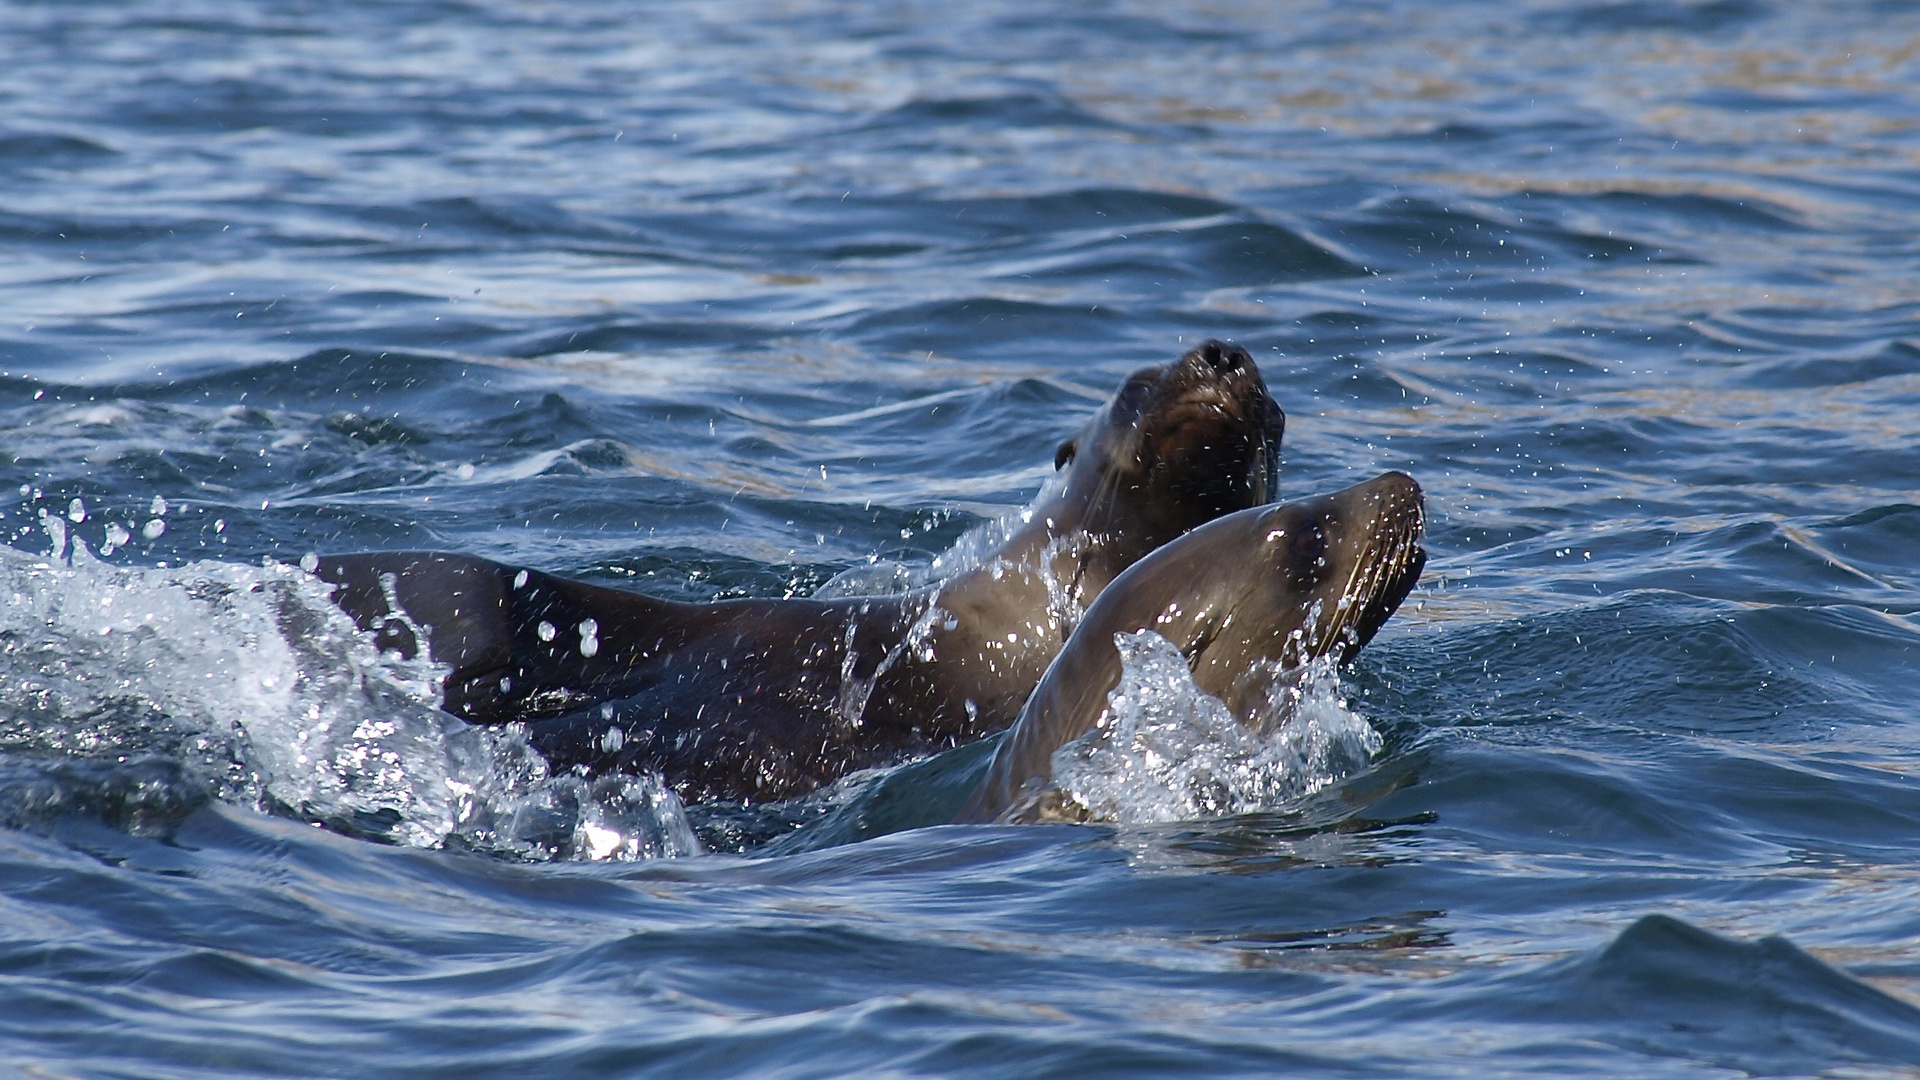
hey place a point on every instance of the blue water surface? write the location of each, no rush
(723, 300)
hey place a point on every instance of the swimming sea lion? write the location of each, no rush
(767, 699)
(1247, 599)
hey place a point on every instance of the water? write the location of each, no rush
(726, 301)
(1167, 751)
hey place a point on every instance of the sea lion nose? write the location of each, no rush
(1223, 358)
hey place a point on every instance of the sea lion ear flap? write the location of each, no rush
(1066, 452)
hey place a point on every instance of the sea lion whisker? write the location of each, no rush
(1389, 565)
(1351, 599)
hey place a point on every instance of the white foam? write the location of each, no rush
(267, 694)
(1166, 751)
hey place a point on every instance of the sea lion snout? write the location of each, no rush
(1398, 493)
(1214, 370)
(1389, 515)
(1221, 357)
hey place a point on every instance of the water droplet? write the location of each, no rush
(545, 630)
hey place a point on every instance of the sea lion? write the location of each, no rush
(1248, 598)
(751, 700)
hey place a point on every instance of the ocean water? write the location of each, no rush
(730, 300)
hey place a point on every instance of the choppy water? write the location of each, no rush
(726, 300)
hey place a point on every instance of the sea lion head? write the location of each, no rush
(1177, 446)
(1309, 579)
(1250, 599)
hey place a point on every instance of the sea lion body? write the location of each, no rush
(1248, 598)
(751, 700)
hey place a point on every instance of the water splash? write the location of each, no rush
(628, 818)
(1064, 604)
(855, 690)
(1164, 750)
(976, 548)
(253, 688)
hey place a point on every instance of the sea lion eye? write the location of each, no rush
(1133, 396)
(1310, 543)
(1066, 452)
